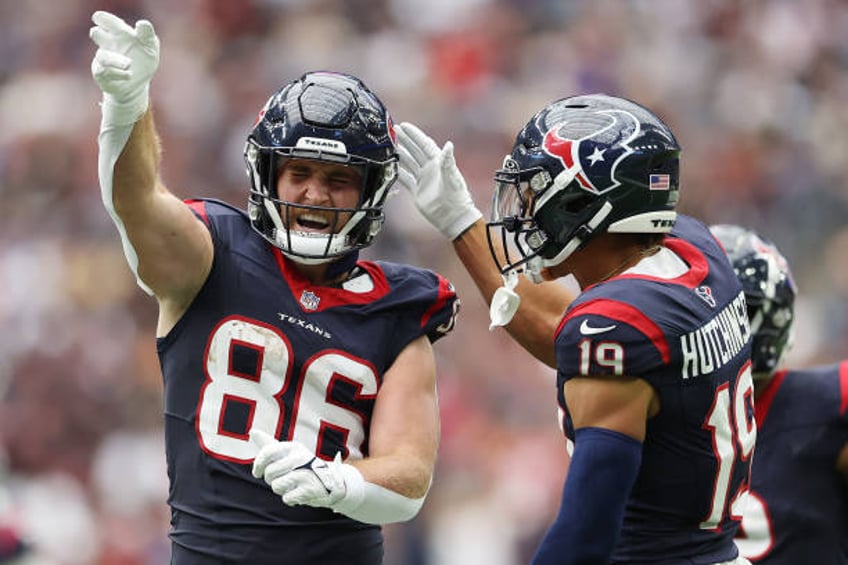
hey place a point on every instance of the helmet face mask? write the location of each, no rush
(329, 118)
(514, 197)
(582, 166)
(769, 293)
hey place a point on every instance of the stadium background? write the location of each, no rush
(756, 91)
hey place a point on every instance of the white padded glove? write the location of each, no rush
(436, 183)
(299, 477)
(296, 474)
(123, 66)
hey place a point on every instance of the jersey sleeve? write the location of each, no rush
(213, 214)
(825, 390)
(440, 316)
(608, 337)
(425, 302)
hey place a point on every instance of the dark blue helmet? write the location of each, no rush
(769, 291)
(324, 116)
(582, 166)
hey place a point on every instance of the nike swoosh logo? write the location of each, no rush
(586, 329)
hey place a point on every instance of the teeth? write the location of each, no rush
(315, 219)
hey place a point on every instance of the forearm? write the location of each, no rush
(383, 492)
(396, 476)
(472, 248)
(406, 475)
(542, 305)
(299, 477)
(404, 433)
(136, 169)
(128, 160)
(601, 475)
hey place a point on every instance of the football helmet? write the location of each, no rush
(324, 116)
(769, 292)
(582, 166)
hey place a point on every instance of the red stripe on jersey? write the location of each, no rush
(626, 313)
(699, 267)
(763, 400)
(445, 294)
(843, 382)
(199, 207)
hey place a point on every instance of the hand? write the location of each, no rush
(124, 65)
(436, 184)
(296, 474)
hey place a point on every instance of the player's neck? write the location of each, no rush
(605, 257)
(321, 274)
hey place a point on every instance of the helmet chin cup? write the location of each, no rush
(311, 249)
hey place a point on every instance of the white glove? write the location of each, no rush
(299, 477)
(123, 66)
(436, 183)
(296, 474)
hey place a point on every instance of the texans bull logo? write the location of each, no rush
(592, 159)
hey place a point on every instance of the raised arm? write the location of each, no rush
(168, 249)
(442, 197)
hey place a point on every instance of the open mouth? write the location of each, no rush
(311, 222)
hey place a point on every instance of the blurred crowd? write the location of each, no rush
(755, 90)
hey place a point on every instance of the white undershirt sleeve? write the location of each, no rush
(112, 139)
(374, 504)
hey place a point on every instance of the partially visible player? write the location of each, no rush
(653, 355)
(270, 328)
(797, 509)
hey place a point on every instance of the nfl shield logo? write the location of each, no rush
(309, 300)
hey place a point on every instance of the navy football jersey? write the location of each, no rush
(261, 347)
(687, 334)
(797, 509)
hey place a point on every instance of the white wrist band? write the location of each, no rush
(373, 504)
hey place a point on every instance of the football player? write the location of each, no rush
(797, 508)
(652, 356)
(299, 381)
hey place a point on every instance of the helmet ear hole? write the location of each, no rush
(575, 205)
